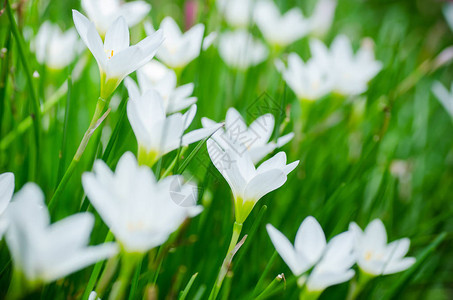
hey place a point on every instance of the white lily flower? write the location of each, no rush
(156, 76)
(309, 81)
(209, 40)
(331, 262)
(178, 49)
(248, 184)
(280, 30)
(115, 58)
(240, 50)
(42, 252)
(104, 12)
(156, 133)
(444, 96)
(140, 211)
(322, 17)
(237, 13)
(374, 255)
(352, 71)
(93, 296)
(54, 48)
(6, 193)
(255, 137)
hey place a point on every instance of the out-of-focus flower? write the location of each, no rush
(331, 262)
(444, 96)
(93, 296)
(157, 133)
(178, 49)
(6, 192)
(448, 13)
(248, 184)
(240, 50)
(374, 255)
(104, 12)
(54, 48)
(139, 210)
(237, 13)
(309, 81)
(255, 138)
(280, 30)
(352, 71)
(115, 58)
(322, 17)
(42, 252)
(155, 75)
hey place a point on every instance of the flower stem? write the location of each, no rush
(95, 122)
(129, 263)
(237, 228)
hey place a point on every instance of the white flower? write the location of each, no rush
(44, 252)
(374, 255)
(115, 58)
(209, 40)
(156, 133)
(448, 13)
(277, 29)
(140, 211)
(322, 17)
(240, 50)
(6, 193)
(104, 12)
(248, 184)
(237, 13)
(54, 48)
(444, 96)
(156, 76)
(255, 138)
(332, 262)
(309, 81)
(178, 49)
(352, 71)
(93, 296)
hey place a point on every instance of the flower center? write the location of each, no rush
(135, 226)
(368, 255)
(109, 53)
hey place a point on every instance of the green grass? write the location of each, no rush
(346, 155)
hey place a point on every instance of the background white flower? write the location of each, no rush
(44, 252)
(332, 262)
(309, 81)
(104, 12)
(139, 210)
(255, 137)
(322, 17)
(237, 13)
(280, 29)
(352, 72)
(240, 50)
(54, 48)
(374, 255)
(178, 49)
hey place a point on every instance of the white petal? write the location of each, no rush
(310, 240)
(6, 190)
(399, 265)
(117, 37)
(264, 183)
(287, 252)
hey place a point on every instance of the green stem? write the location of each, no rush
(95, 122)
(129, 263)
(271, 287)
(24, 58)
(237, 228)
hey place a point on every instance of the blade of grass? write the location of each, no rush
(63, 151)
(186, 290)
(36, 115)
